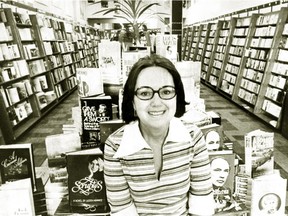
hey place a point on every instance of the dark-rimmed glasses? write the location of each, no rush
(147, 93)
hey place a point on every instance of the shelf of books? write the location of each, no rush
(274, 85)
(219, 57)
(236, 53)
(184, 41)
(195, 42)
(245, 59)
(203, 41)
(212, 37)
(39, 54)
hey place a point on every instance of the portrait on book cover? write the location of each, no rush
(269, 204)
(222, 175)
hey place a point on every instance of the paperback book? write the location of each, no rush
(259, 148)
(93, 111)
(87, 191)
(17, 162)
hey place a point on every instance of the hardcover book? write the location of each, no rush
(87, 191)
(223, 173)
(259, 148)
(267, 195)
(56, 147)
(17, 162)
(16, 198)
(93, 111)
(89, 81)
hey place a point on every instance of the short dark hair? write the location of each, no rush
(129, 87)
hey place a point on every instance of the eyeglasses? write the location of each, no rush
(147, 93)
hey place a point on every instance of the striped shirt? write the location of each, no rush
(131, 182)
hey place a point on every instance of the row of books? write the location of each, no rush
(246, 187)
(9, 52)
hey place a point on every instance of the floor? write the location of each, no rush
(236, 122)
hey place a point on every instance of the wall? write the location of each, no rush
(205, 9)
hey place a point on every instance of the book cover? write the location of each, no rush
(89, 81)
(267, 195)
(16, 198)
(87, 191)
(107, 128)
(166, 45)
(259, 148)
(110, 61)
(213, 134)
(93, 111)
(222, 174)
(17, 162)
(56, 148)
(129, 58)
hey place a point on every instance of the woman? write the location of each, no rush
(154, 165)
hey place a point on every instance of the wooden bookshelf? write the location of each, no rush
(245, 60)
(39, 54)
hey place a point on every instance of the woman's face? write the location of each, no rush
(94, 165)
(220, 171)
(155, 113)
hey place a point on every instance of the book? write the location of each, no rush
(93, 111)
(222, 175)
(129, 58)
(166, 45)
(17, 162)
(16, 198)
(110, 61)
(87, 191)
(259, 148)
(56, 148)
(267, 195)
(107, 128)
(89, 81)
(213, 134)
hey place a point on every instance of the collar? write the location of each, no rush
(133, 141)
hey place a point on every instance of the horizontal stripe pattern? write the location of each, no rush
(132, 179)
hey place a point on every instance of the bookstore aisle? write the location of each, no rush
(236, 122)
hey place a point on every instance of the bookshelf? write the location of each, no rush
(236, 54)
(212, 39)
(39, 54)
(270, 103)
(195, 42)
(219, 57)
(244, 58)
(184, 43)
(202, 41)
